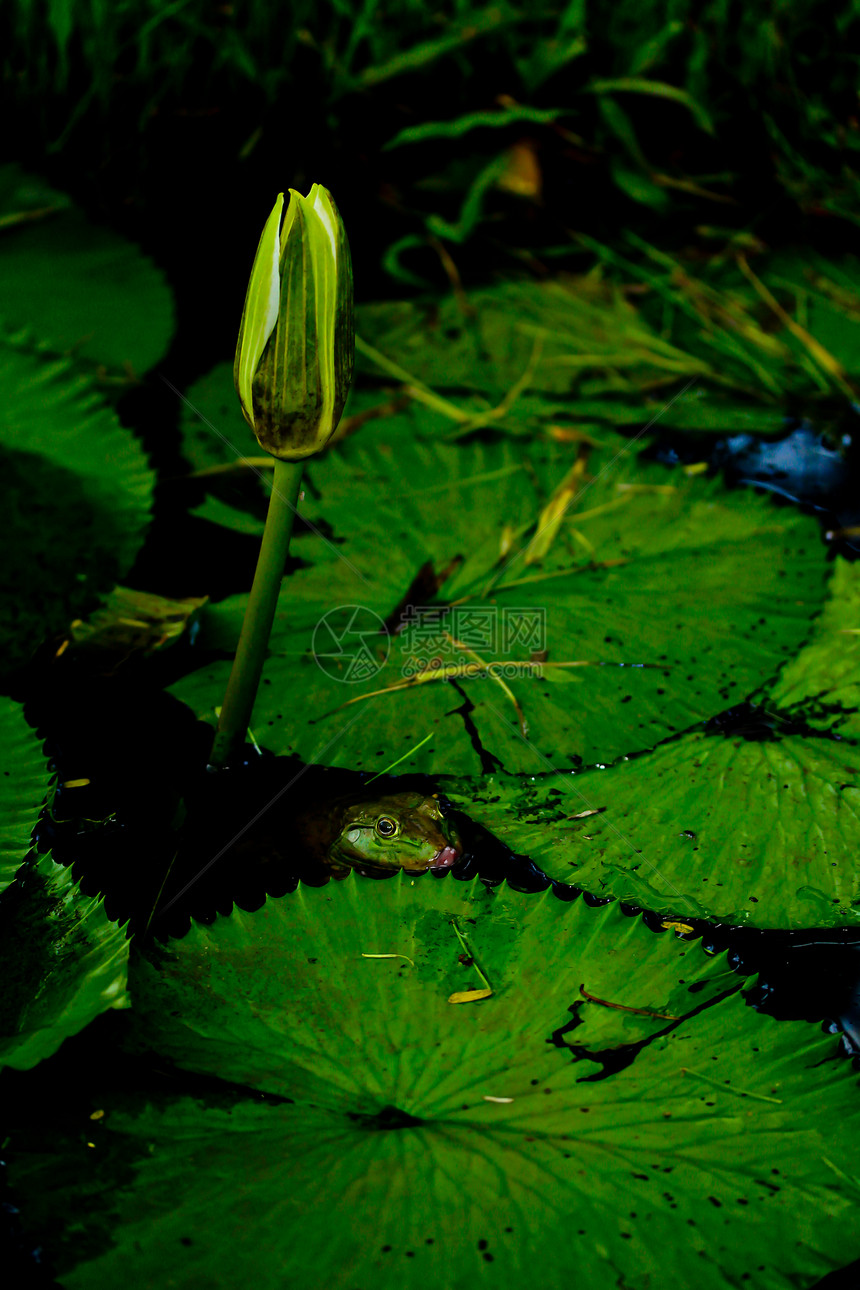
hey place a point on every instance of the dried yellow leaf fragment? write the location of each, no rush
(390, 956)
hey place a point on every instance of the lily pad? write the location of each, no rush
(131, 625)
(822, 683)
(350, 949)
(544, 337)
(23, 785)
(76, 286)
(214, 511)
(434, 1142)
(747, 825)
(649, 603)
(214, 432)
(781, 852)
(63, 963)
(226, 458)
(76, 494)
(703, 411)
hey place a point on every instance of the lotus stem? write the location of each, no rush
(247, 667)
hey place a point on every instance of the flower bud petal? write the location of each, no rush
(260, 313)
(293, 373)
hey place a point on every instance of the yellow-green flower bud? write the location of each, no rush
(296, 342)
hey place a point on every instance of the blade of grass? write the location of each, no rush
(817, 352)
(379, 775)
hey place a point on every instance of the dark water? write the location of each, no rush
(815, 467)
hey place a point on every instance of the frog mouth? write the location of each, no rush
(445, 858)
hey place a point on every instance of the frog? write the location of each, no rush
(377, 836)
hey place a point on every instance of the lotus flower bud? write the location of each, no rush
(296, 342)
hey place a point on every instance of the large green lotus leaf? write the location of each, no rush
(62, 963)
(584, 337)
(709, 590)
(822, 683)
(618, 360)
(215, 436)
(214, 432)
(757, 831)
(76, 498)
(214, 511)
(579, 337)
(215, 1001)
(23, 785)
(704, 411)
(539, 336)
(76, 286)
(448, 1144)
(483, 352)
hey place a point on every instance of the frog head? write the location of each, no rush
(400, 831)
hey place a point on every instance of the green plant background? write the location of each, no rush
(288, 1092)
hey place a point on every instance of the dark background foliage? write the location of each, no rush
(177, 122)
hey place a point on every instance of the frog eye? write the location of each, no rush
(385, 827)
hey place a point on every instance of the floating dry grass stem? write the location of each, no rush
(469, 996)
(727, 1088)
(494, 676)
(390, 956)
(822, 357)
(623, 1007)
(550, 519)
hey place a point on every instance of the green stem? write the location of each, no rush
(254, 639)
